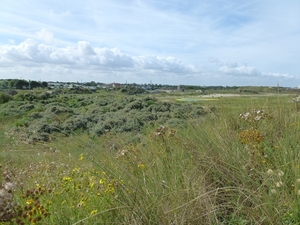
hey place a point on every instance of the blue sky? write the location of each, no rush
(207, 42)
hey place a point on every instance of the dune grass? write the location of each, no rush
(237, 165)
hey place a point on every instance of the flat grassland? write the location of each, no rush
(111, 158)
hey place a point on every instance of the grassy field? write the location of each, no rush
(237, 163)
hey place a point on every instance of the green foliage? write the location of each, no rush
(132, 90)
(11, 92)
(22, 122)
(21, 84)
(26, 96)
(67, 113)
(4, 97)
(4, 84)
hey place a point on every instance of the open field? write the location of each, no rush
(112, 158)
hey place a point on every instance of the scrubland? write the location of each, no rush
(110, 158)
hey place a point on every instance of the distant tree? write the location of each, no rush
(4, 84)
(44, 84)
(92, 83)
(35, 84)
(21, 84)
(12, 83)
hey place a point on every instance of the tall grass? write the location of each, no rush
(219, 169)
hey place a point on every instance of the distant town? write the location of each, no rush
(21, 84)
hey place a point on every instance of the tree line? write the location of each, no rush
(22, 84)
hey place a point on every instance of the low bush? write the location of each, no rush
(4, 97)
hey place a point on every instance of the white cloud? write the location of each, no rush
(85, 56)
(85, 48)
(83, 60)
(27, 50)
(113, 58)
(166, 64)
(45, 36)
(239, 70)
(278, 75)
(232, 68)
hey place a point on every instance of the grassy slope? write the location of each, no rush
(201, 174)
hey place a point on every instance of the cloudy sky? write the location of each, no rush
(205, 42)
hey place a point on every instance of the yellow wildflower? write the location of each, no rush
(101, 181)
(29, 201)
(141, 166)
(81, 157)
(94, 212)
(110, 189)
(67, 178)
(92, 181)
(92, 184)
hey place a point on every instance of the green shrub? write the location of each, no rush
(4, 97)
(26, 107)
(74, 123)
(22, 122)
(19, 96)
(11, 92)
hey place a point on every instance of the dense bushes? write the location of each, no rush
(68, 113)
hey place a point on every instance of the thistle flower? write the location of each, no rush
(280, 173)
(270, 172)
(279, 184)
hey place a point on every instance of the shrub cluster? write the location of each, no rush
(69, 113)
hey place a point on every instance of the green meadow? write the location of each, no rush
(112, 158)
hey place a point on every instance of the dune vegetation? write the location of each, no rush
(112, 158)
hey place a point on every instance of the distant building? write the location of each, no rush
(116, 85)
(179, 88)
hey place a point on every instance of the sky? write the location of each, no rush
(205, 42)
